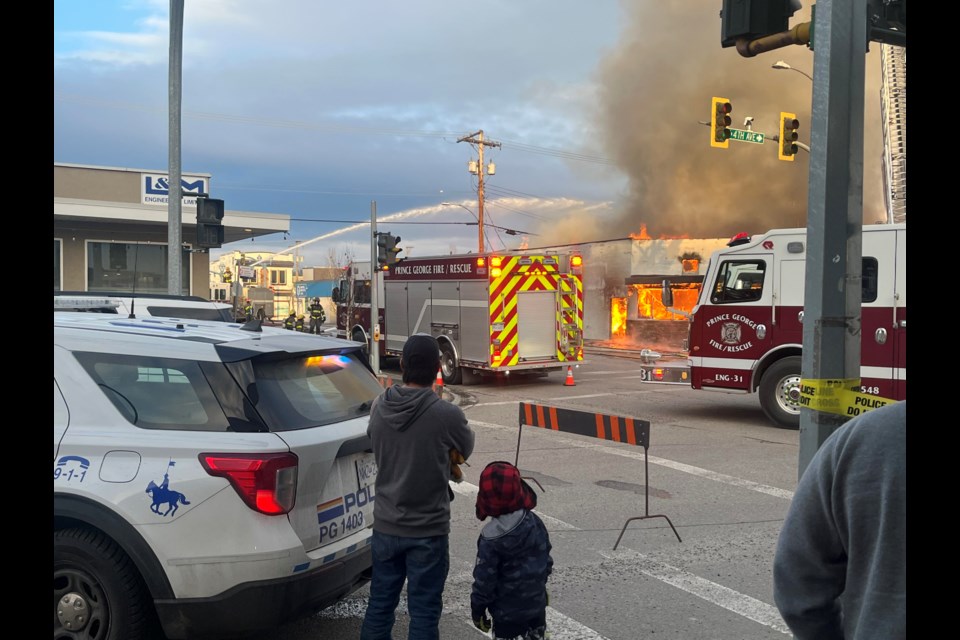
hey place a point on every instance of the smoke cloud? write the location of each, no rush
(656, 88)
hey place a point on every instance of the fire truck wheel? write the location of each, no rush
(358, 337)
(449, 366)
(780, 392)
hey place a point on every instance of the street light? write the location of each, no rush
(780, 64)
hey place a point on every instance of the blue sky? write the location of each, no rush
(316, 108)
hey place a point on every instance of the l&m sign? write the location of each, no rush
(155, 188)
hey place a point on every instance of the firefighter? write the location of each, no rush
(248, 309)
(317, 316)
(298, 324)
(290, 321)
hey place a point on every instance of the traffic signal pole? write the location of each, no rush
(174, 197)
(374, 296)
(832, 291)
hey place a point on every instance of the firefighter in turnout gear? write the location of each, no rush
(248, 309)
(317, 316)
(290, 321)
(298, 325)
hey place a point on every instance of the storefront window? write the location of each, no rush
(134, 268)
(56, 264)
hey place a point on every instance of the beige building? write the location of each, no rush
(111, 230)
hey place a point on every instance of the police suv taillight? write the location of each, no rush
(267, 482)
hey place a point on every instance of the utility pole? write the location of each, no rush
(477, 139)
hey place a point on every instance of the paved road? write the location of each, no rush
(715, 469)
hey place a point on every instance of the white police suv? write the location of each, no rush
(143, 305)
(210, 479)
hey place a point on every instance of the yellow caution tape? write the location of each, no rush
(840, 396)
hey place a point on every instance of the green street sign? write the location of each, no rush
(746, 136)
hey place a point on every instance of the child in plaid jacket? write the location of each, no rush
(513, 558)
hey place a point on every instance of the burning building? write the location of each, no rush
(622, 280)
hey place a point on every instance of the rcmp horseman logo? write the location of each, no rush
(730, 332)
(162, 495)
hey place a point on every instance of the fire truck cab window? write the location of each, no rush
(361, 292)
(739, 282)
(869, 270)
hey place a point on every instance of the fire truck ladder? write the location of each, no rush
(893, 106)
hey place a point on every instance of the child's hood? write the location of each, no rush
(511, 530)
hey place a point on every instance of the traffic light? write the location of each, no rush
(751, 19)
(719, 121)
(393, 250)
(387, 250)
(788, 136)
(382, 239)
(209, 225)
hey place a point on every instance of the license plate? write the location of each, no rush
(366, 470)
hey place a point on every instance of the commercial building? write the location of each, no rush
(111, 230)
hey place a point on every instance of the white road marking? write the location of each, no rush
(713, 593)
(586, 371)
(663, 462)
(495, 404)
(588, 395)
(563, 628)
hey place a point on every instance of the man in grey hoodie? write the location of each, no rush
(412, 432)
(840, 568)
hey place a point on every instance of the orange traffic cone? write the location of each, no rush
(438, 385)
(569, 381)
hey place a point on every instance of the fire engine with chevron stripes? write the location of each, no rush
(491, 312)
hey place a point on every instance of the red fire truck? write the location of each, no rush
(491, 312)
(746, 334)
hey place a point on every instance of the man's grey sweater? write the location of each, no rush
(840, 565)
(412, 432)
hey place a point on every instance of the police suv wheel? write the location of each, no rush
(780, 392)
(97, 591)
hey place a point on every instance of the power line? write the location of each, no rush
(559, 153)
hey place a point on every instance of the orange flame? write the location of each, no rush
(643, 235)
(650, 304)
(618, 317)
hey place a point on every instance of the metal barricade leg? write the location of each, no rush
(629, 520)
